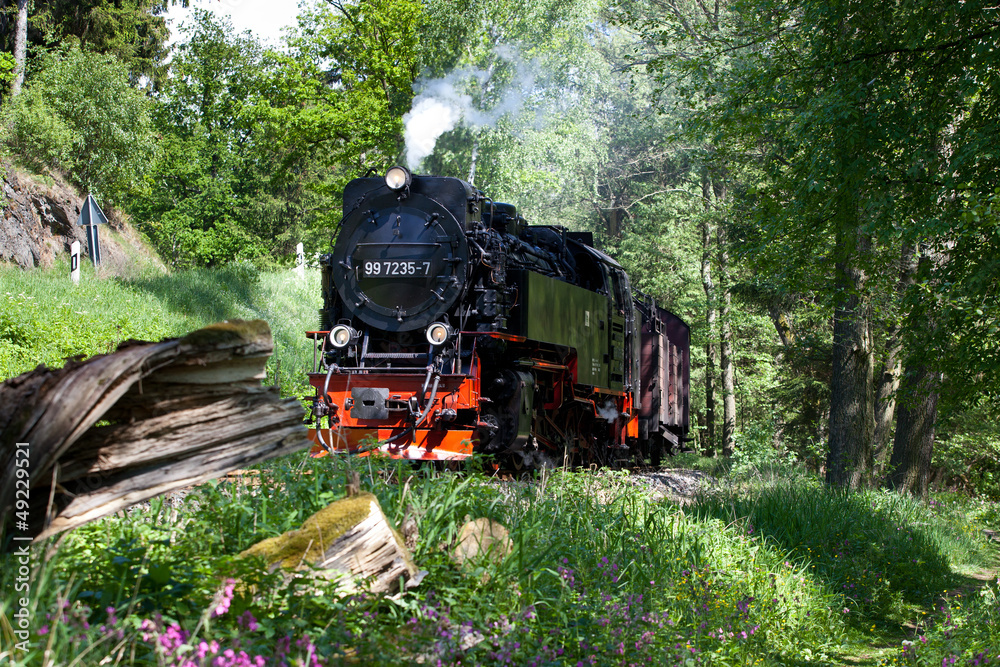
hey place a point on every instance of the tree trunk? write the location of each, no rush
(781, 324)
(887, 382)
(726, 354)
(726, 337)
(20, 47)
(913, 446)
(852, 411)
(885, 401)
(709, 287)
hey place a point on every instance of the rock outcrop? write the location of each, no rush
(38, 223)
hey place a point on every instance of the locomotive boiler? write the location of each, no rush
(451, 326)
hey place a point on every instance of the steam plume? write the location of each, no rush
(441, 105)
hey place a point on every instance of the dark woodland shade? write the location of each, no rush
(133, 30)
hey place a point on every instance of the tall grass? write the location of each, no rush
(784, 572)
(45, 318)
(599, 574)
(880, 550)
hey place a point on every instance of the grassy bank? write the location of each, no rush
(45, 318)
(600, 574)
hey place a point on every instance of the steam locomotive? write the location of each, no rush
(451, 326)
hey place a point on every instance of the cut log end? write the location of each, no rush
(349, 541)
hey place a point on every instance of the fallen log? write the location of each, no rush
(172, 414)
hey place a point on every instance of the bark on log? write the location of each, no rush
(181, 412)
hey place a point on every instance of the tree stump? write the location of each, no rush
(349, 541)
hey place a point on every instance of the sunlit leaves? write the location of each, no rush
(78, 114)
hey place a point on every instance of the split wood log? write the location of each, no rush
(349, 541)
(174, 413)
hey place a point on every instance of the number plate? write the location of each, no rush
(395, 268)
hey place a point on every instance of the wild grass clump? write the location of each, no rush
(598, 575)
(962, 631)
(45, 318)
(882, 551)
(963, 627)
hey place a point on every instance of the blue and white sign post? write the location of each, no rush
(90, 217)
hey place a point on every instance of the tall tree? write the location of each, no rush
(816, 93)
(80, 115)
(134, 31)
(20, 47)
(258, 145)
(726, 361)
(205, 181)
(710, 315)
(910, 466)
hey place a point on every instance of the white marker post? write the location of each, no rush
(300, 260)
(74, 262)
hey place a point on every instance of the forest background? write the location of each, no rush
(811, 185)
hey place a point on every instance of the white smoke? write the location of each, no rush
(609, 412)
(441, 104)
(436, 110)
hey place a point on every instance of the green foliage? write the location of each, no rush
(879, 550)
(967, 458)
(78, 114)
(755, 450)
(130, 30)
(336, 101)
(7, 66)
(813, 95)
(257, 145)
(961, 294)
(201, 205)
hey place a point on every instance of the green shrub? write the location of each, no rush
(969, 462)
(79, 114)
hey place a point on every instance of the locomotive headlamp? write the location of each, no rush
(439, 333)
(397, 178)
(342, 335)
